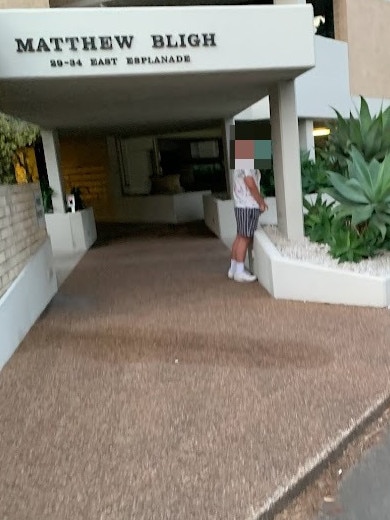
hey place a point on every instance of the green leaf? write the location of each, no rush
(382, 188)
(378, 223)
(361, 214)
(372, 140)
(14, 134)
(332, 192)
(364, 117)
(350, 189)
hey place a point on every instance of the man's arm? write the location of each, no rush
(251, 185)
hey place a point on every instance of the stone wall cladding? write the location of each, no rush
(369, 57)
(22, 229)
(23, 4)
(340, 20)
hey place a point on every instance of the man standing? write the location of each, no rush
(248, 204)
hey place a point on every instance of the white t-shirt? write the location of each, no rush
(242, 195)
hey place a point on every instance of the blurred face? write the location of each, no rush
(244, 154)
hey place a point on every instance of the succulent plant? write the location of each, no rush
(364, 195)
(369, 134)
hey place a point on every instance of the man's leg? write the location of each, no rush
(238, 249)
(233, 259)
(233, 255)
(238, 243)
(247, 226)
(241, 248)
(241, 275)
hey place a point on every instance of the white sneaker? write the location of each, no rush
(244, 277)
(230, 274)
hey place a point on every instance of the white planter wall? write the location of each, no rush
(173, 209)
(289, 279)
(25, 300)
(71, 232)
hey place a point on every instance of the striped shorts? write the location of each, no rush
(247, 221)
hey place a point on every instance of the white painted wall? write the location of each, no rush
(327, 85)
(25, 300)
(319, 89)
(219, 218)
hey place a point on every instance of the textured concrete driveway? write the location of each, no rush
(154, 388)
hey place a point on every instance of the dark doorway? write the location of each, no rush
(324, 8)
(199, 162)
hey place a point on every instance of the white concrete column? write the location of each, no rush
(51, 149)
(306, 137)
(286, 159)
(227, 136)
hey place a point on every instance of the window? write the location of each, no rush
(198, 162)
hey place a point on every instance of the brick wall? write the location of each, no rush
(22, 229)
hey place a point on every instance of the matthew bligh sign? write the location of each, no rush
(54, 43)
(92, 51)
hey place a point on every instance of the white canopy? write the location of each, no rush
(147, 68)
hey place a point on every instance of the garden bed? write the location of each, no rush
(315, 253)
(305, 272)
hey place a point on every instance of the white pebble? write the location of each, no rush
(318, 254)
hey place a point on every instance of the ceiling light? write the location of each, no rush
(319, 132)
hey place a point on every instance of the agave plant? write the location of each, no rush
(369, 134)
(348, 245)
(313, 173)
(318, 219)
(364, 195)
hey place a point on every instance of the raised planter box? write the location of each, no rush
(71, 232)
(174, 208)
(289, 279)
(25, 299)
(27, 275)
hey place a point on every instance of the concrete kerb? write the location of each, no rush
(308, 473)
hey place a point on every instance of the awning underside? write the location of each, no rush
(139, 103)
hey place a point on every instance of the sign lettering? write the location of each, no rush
(78, 46)
(104, 43)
